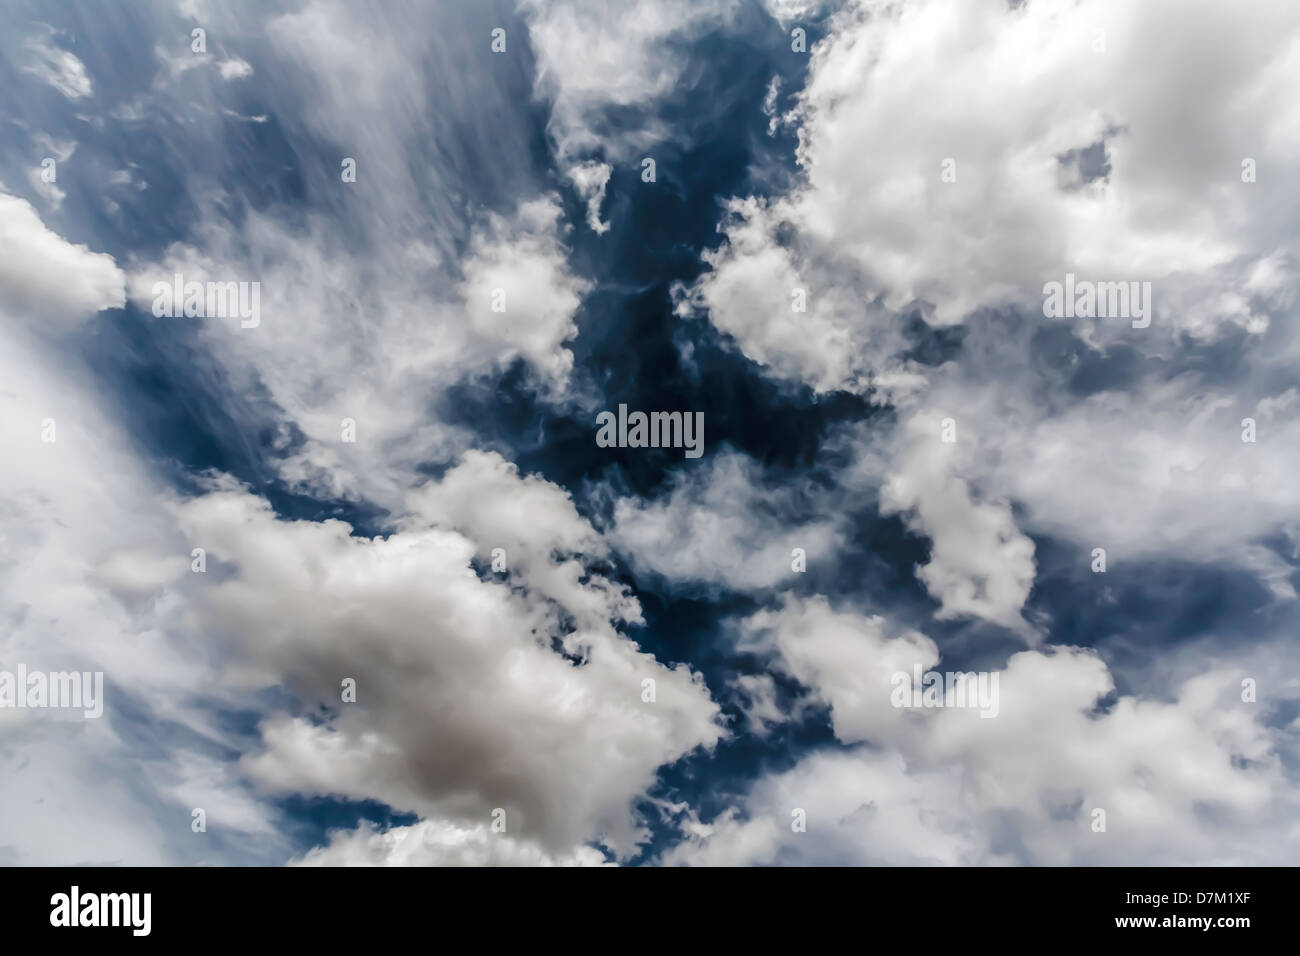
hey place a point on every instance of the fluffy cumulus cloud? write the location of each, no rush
(528, 697)
(781, 310)
(389, 331)
(474, 691)
(1159, 468)
(981, 195)
(1028, 142)
(479, 690)
(1199, 777)
(44, 275)
(980, 562)
(518, 290)
(978, 197)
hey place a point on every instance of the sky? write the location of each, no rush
(978, 322)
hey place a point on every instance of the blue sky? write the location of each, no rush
(840, 262)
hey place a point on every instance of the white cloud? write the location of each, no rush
(467, 700)
(76, 514)
(234, 69)
(876, 234)
(514, 690)
(430, 843)
(381, 299)
(980, 563)
(760, 704)
(58, 67)
(1198, 778)
(520, 690)
(177, 61)
(523, 259)
(720, 525)
(787, 12)
(44, 275)
(861, 808)
(1004, 92)
(49, 190)
(590, 180)
(376, 337)
(752, 294)
(592, 56)
(1160, 470)
(845, 657)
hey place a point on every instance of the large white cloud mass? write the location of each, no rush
(1080, 143)
(84, 577)
(956, 158)
(476, 690)
(1009, 93)
(509, 690)
(1197, 778)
